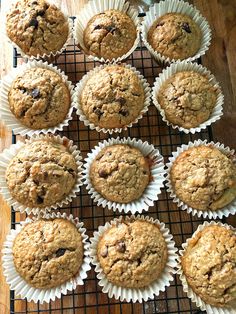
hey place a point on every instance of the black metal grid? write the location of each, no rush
(89, 299)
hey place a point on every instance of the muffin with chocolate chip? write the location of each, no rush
(41, 174)
(39, 98)
(175, 36)
(132, 254)
(37, 27)
(47, 253)
(120, 173)
(112, 97)
(109, 34)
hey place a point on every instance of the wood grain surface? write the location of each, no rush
(220, 60)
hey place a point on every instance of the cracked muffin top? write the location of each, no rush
(175, 36)
(132, 254)
(112, 97)
(188, 99)
(110, 34)
(37, 27)
(209, 264)
(41, 174)
(39, 98)
(120, 173)
(204, 178)
(47, 253)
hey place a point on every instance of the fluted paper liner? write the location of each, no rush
(211, 214)
(188, 66)
(93, 8)
(9, 118)
(132, 294)
(21, 287)
(80, 86)
(152, 190)
(6, 157)
(210, 309)
(175, 6)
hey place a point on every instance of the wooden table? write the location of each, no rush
(220, 59)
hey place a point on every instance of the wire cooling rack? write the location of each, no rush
(89, 299)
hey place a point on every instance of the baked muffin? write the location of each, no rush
(120, 173)
(41, 174)
(39, 98)
(204, 178)
(187, 98)
(37, 27)
(209, 264)
(175, 36)
(47, 253)
(132, 254)
(112, 97)
(109, 35)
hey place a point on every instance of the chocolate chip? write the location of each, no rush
(35, 93)
(103, 174)
(160, 24)
(41, 13)
(98, 27)
(34, 23)
(124, 112)
(34, 2)
(60, 252)
(39, 199)
(186, 28)
(23, 90)
(121, 100)
(98, 112)
(120, 247)
(104, 251)
(111, 29)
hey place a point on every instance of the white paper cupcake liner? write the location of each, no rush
(210, 309)
(152, 190)
(80, 86)
(43, 56)
(8, 117)
(177, 6)
(139, 294)
(21, 287)
(6, 157)
(95, 7)
(219, 213)
(188, 66)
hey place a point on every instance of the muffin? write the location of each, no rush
(204, 178)
(209, 265)
(39, 98)
(47, 253)
(41, 174)
(120, 173)
(112, 97)
(132, 254)
(109, 35)
(37, 27)
(175, 36)
(187, 98)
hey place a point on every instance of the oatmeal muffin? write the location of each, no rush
(132, 254)
(187, 98)
(209, 264)
(175, 36)
(39, 98)
(120, 173)
(112, 97)
(204, 178)
(47, 253)
(41, 174)
(37, 27)
(109, 35)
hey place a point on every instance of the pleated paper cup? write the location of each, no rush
(6, 157)
(46, 56)
(188, 66)
(93, 8)
(152, 190)
(138, 294)
(21, 287)
(80, 86)
(210, 309)
(211, 214)
(175, 6)
(9, 118)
